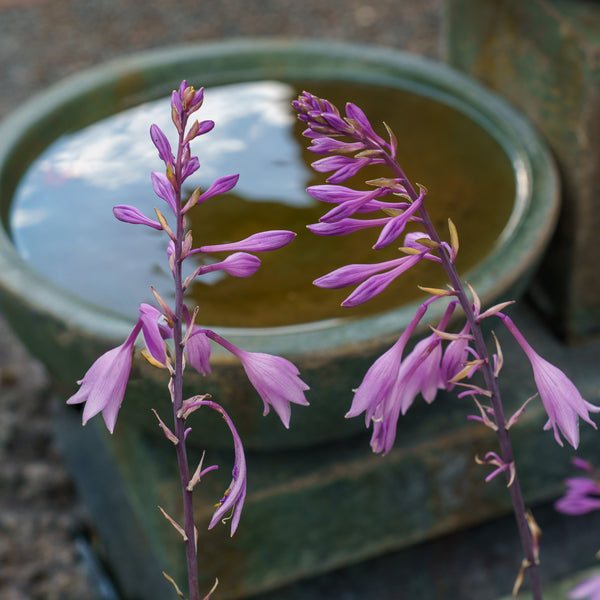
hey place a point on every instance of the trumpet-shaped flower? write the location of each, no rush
(561, 399)
(103, 386)
(274, 378)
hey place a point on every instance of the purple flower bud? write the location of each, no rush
(220, 186)
(162, 145)
(395, 226)
(238, 264)
(355, 273)
(345, 226)
(344, 167)
(191, 166)
(130, 214)
(241, 264)
(377, 283)
(259, 242)
(325, 145)
(356, 114)
(163, 188)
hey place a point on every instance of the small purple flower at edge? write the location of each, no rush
(588, 588)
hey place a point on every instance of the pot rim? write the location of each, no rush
(517, 250)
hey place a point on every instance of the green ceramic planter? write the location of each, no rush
(67, 334)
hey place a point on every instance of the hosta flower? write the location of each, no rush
(562, 401)
(274, 378)
(589, 588)
(582, 496)
(103, 386)
(379, 395)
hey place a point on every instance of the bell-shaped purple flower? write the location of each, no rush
(275, 379)
(379, 395)
(561, 399)
(103, 386)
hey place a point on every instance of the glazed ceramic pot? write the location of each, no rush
(67, 332)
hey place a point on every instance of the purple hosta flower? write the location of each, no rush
(561, 399)
(582, 496)
(379, 395)
(588, 588)
(103, 386)
(130, 214)
(393, 382)
(259, 242)
(232, 502)
(274, 378)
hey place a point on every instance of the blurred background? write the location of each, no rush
(42, 523)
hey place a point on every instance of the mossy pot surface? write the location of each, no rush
(67, 333)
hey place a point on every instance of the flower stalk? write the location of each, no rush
(349, 143)
(103, 387)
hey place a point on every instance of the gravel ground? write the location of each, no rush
(41, 41)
